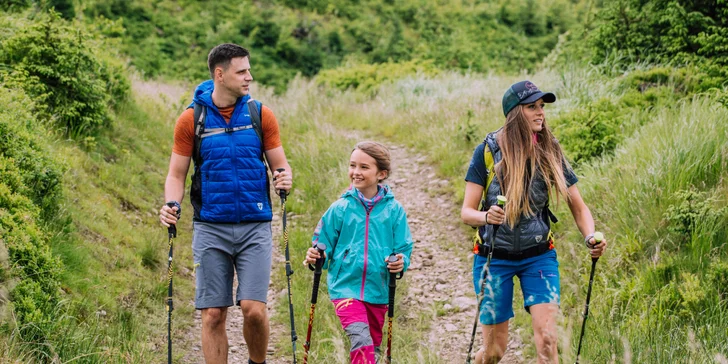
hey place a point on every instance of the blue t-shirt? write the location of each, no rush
(477, 173)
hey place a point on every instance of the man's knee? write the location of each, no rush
(254, 312)
(214, 316)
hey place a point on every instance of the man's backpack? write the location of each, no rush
(200, 131)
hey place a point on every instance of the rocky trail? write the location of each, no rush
(439, 276)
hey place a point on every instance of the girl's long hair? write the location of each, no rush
(522, 156)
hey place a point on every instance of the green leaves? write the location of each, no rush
(672, 32)
(58, 67)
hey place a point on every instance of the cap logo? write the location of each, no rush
(530, 89)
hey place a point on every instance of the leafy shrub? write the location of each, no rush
(718, 276)
(26, 166)
(692, 293)
(13, 5)
(56, 65)
(691, 208)
(675, 32)
(29, 188)
(368, 77)
(590, 131)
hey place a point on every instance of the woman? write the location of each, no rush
(530, 169)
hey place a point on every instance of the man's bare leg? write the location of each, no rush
(214, 337)
(255, 329)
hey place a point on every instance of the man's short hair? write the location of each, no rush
(221, 55)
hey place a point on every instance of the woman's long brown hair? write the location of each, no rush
(521, 158)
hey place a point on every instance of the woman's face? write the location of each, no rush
(534, 115)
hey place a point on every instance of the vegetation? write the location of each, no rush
(640, 113)
(171, 38)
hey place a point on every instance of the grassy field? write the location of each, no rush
(660, 294)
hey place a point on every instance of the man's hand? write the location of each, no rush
(283, 180)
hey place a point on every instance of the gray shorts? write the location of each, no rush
(221, 249)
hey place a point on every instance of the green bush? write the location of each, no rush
(368, 77)
(590, 131)
(676, 32)
(718, 276)
(14, 5)
(56, 64)
(29, 188)
(692, 208)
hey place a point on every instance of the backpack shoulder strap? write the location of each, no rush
(489, 164)
(256, 116)
(200, 114)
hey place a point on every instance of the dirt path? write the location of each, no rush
(439, 274)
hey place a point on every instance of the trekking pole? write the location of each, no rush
(172, 232)
(321, 247)
(393, 277)
(501, 201)
(289, 270)
(598, 238)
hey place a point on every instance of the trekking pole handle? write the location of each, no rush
(598, 237)
(321, 248)
(172, 229)
(391, 259)
(281, 192)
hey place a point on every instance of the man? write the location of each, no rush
(230, 197)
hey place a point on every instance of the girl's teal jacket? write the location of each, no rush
(357, 244)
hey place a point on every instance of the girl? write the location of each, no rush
(360, 231)
(528, 165)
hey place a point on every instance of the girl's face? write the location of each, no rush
(534, 115)
(363, 172)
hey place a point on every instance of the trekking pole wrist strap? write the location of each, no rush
(177, 205)
(586, 241)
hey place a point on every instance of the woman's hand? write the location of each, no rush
(395, 267)
(597, 249)
(311, 256)
(495, 216)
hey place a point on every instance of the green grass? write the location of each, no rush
(668, 148)
(656, 297)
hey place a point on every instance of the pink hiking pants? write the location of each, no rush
(363, 323)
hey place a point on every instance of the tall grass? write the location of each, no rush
(656, 293)
(672, 148)
(656, 298)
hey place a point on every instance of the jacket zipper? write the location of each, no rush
(366, 249)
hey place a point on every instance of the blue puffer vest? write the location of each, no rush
(230, 184)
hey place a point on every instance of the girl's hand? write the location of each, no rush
(596, 250)
(311, 255)
(397, 266)
(495, 216)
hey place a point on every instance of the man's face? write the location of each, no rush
(237, 77)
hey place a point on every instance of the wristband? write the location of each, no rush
(177, 205)
(586, 241)
(486, 217)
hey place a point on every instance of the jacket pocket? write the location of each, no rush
(338, 266)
